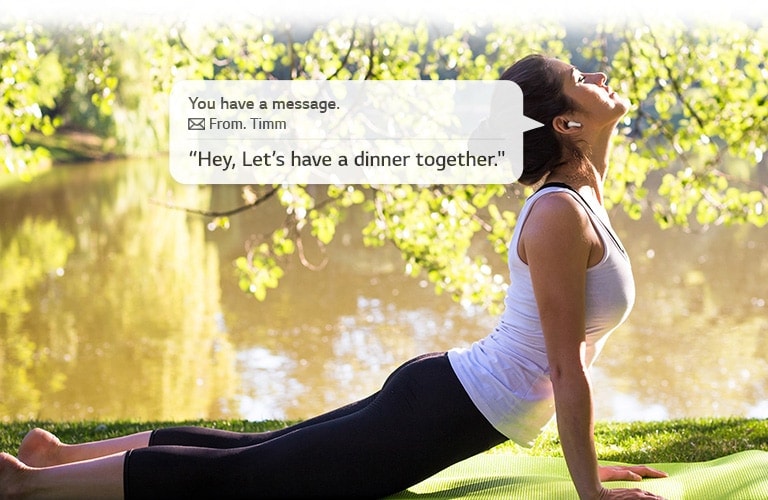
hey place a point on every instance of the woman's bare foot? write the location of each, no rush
(40, 448)
(11, 477)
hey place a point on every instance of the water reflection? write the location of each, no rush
(120, 325)
(31, 257)
(114, 307)
(698, 331)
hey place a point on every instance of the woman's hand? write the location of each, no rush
(627, 494)
(627, 472)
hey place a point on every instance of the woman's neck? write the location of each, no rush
(584, 178)
(590, 172)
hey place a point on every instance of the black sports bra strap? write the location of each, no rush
(557, 184)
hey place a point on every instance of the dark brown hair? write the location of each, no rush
(544, 150)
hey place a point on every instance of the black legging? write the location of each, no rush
(420, 422)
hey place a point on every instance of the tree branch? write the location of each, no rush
(677, 90)
(345, 59)
(224, 213)
(371, 54)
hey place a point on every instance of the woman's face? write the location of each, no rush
(598, 105)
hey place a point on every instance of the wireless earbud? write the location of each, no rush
(574, 124)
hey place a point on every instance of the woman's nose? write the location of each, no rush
(598, 78)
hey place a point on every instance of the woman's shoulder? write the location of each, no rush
(556, 224)
(556, 209)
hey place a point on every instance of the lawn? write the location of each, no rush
(686, 440)
(710, 458)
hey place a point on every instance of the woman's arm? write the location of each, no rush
(556, 245)
(558, 242)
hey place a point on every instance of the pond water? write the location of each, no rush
(113, 306)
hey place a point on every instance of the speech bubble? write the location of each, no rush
(347, 132)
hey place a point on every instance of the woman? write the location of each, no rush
(571, 286)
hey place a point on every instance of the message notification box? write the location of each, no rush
(347, 132)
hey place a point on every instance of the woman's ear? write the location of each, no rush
(563, 125)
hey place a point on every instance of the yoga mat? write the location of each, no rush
(741, 476)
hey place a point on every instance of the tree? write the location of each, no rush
(30, 80)
(690, 152)
(700, 96)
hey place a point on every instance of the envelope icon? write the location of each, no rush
(195, 123)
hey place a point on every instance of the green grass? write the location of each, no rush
(12, 433)
(686, 440)
(683, 440)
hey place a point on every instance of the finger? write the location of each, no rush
(624, 474)
(645, 471)
(632, 476)
(633, 493)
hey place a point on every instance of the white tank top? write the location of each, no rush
(506, 374)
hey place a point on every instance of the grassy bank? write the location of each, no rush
(687, 440)
(684, 440)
